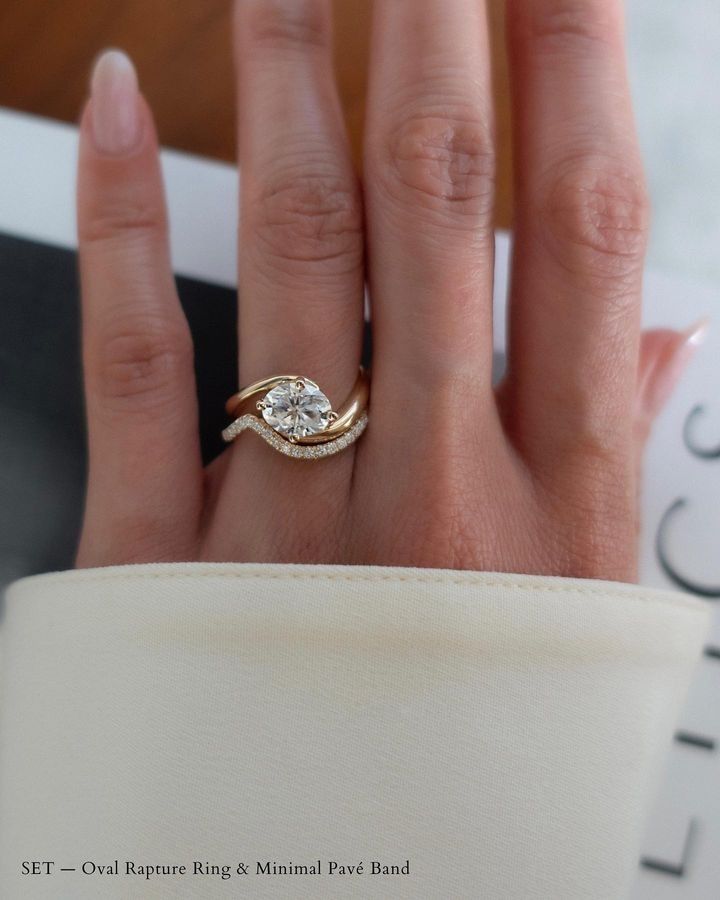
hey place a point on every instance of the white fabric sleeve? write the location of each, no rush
(496, 735)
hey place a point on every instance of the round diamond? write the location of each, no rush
(296, 408)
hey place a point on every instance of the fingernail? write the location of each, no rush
(115, 108)
(696, 334)
(666, 377)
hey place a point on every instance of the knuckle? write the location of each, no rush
(305, 222)
(442, 538)
(591, 470)
(590, 496)
(601, 211)
(598, 548)
(273, 25)
(567, 24)
(599, 533)
(138, 365)
(593, 450)
(137, 534)
(443, 160)
(124, 220)
(589, 448)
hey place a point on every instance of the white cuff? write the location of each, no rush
(500, 732)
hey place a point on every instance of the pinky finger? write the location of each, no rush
(145, 475)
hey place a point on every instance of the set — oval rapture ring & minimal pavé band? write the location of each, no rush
(296, 418)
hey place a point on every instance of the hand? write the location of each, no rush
(539, 475)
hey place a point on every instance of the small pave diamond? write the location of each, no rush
(298, 451)
(296, 409)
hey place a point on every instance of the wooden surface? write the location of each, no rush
(183, 54)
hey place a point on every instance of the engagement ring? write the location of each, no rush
(296, 418)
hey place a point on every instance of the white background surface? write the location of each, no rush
(675, 73)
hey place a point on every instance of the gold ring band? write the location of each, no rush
(295, 417)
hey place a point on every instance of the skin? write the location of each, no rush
(539, 475)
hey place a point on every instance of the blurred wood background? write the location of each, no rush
(183, 54)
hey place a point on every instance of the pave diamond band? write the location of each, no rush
(298, 451)
(296, 418)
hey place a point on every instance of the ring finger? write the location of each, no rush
(300, 261)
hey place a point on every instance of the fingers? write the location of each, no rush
(429, 178)
(145, 475)
(581, 222)
(301, 253)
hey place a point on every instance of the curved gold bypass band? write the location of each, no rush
(296, 418)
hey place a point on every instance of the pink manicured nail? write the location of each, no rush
(669, 373)
(115, 109)
(696, 334)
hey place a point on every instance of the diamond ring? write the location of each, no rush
(296, 418)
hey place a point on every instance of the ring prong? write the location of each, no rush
(300, 384)
(332, 416)
(260, 405)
